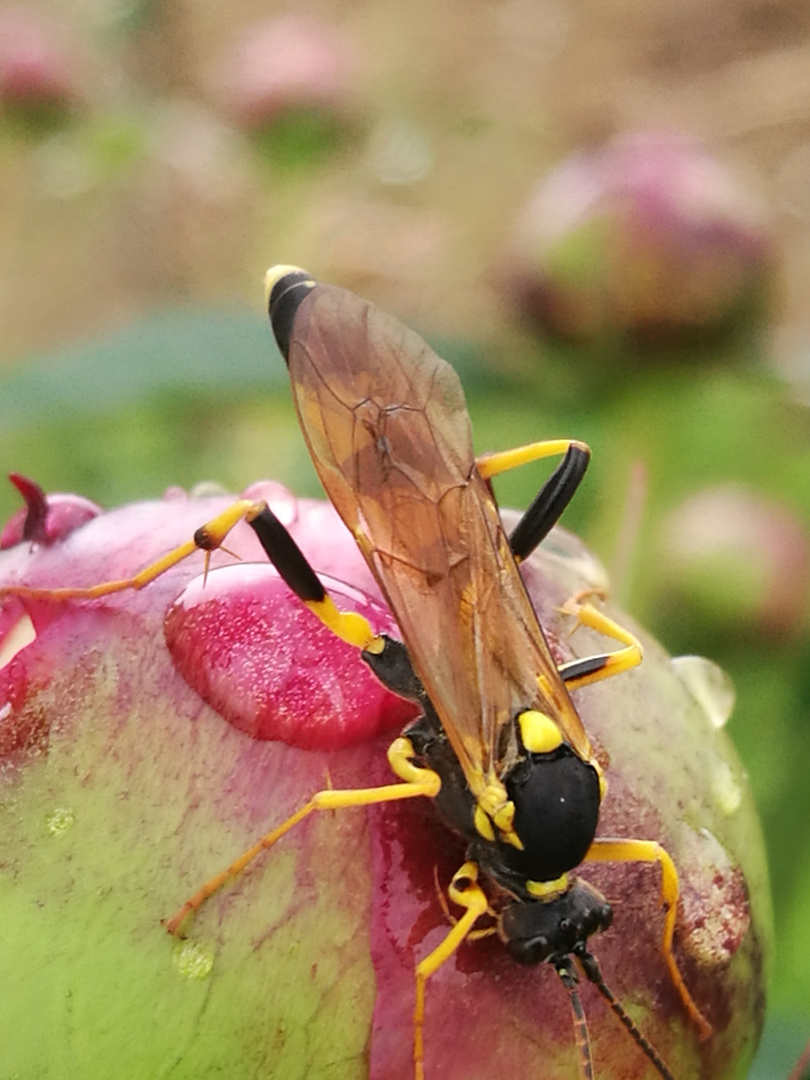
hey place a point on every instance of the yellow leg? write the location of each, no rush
(465, 891)
(416, 781)
(592, 669)
(207, 538)
(475, 935)
(490, 465)
(605, 849)
(349, 626)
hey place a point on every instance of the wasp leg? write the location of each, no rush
(386, 657)
(465, 891)
(474, 935)
(297, 572)
(592, 669)
(552, 499)
(416, 781)
(207, 538)
(605, 849)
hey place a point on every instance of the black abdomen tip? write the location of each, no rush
(285, 288)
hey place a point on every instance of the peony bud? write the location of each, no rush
(282, 66)
(37, 83)
(647, 239)
(739, 561)
(123, 791)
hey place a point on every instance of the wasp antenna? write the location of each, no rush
(594, 975)
(568, 977)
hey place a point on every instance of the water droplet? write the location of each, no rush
(192, 960)
(709, 685)
(60, 820)
(726, 788)
(269, 667)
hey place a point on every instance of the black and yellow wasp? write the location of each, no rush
(499, 745)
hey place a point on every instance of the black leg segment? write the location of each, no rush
(287, 557)
(585, 668)
(548, 506)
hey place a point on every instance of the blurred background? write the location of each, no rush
(599, 212)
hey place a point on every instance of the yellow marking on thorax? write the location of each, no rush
(538, 732)
(547, 890)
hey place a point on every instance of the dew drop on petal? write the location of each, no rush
(192, 960)
(267, 665)
(60, 820)
(280, 499)
(709, 685)
(726, 788)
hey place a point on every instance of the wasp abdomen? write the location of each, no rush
(283, 300)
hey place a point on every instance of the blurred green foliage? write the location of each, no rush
(200, 395)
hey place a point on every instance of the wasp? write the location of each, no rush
(499, 746)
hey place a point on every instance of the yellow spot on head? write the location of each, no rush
(538, 732)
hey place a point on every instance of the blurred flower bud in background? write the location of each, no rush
(37, 78)
(740, 561)
(292, 70)
(647, 239)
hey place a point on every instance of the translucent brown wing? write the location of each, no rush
(388, 430)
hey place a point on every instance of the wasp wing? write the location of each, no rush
(388, 430)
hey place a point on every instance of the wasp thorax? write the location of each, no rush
(556, 797)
